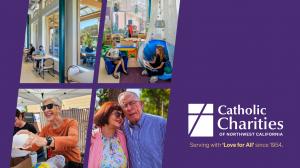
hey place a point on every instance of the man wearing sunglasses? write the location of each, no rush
(60, 135)
(145, 133)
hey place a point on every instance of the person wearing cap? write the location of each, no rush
(60, 135)
(145, 133)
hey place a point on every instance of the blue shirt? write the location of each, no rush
(145, 141)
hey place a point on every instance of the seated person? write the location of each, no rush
(31, 49)
(59, 136)
(113, 54)
(89, 49)
(20, 124)
(155, 67)
(30, 52)
(40, 52)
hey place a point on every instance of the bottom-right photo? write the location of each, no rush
(129, 128)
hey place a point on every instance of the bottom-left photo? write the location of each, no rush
(50, 128)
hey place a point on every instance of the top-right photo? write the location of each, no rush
(139, 41)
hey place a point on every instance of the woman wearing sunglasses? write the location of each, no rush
(60, 135)
(108, 144)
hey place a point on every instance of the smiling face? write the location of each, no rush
(115, 119)
(132, 107)
(51, 113)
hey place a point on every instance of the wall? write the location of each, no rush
(72, 43)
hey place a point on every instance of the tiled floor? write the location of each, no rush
(103, 77)
(30, 76)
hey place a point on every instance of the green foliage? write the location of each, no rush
(25, 109)
(102, 94)
(87, 39)
(105, 95)
(156, 101)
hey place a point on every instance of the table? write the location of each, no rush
(40, 58)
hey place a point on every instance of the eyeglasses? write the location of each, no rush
(119, 114)
(131, 103)
(48, 106)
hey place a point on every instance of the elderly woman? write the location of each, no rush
(108, 144)
(60, 135)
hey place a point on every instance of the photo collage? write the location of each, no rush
(95, 84)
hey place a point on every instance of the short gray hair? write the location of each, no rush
(126, 93)
(56, 100)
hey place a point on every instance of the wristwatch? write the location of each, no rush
(49, 140)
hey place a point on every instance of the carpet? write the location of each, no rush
(134, 76)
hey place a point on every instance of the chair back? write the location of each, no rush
(49, 63)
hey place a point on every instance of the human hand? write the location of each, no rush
(33, 139)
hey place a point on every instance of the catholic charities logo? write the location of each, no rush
(200, 120)
(232, 120)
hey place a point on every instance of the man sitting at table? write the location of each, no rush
(40, 52)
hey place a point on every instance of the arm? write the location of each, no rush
(34, 142)
(160, 66)
(64, 143)
(147, 65)
(59, 143)
(108, 54)
(153, 61)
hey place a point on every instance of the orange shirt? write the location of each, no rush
(65, 138)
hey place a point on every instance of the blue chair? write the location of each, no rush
(110, 66)
(150, 49)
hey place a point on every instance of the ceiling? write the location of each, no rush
(35, 96)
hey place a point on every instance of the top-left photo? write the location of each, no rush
(61, 41)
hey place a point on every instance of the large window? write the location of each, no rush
(34, 34)
(128, 12)
(52, 42)
(89, 29)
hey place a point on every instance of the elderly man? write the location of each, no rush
(60, 135)
(145, 133)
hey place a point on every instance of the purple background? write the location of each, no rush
(227, 52)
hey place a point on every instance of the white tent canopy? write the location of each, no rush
(35, 96)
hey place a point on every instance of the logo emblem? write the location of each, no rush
(201, 120)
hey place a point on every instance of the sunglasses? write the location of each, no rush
(119, 114)
(48, 106)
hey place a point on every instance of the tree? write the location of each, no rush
(105, 95)
(156, 101)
